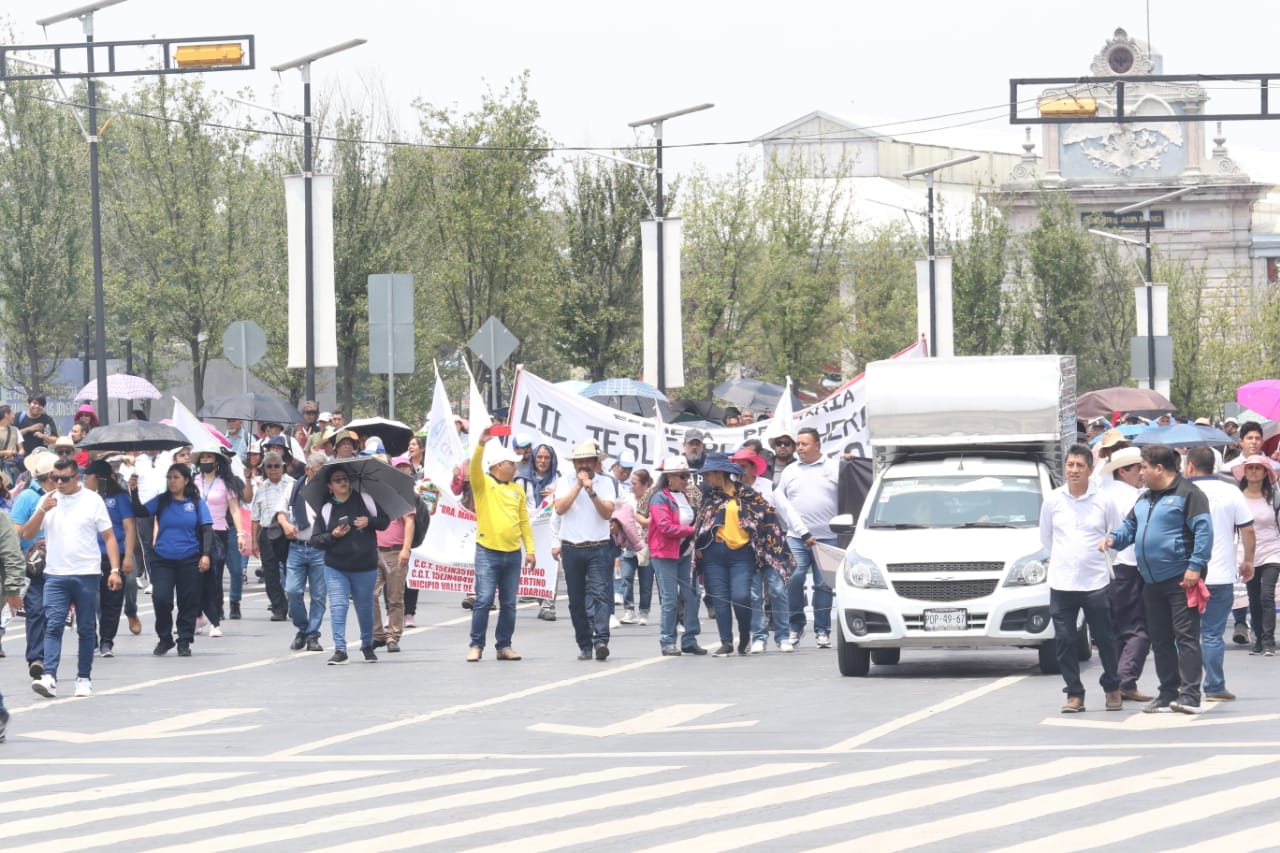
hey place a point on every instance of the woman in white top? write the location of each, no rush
(1257, 480)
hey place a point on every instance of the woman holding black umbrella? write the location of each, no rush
(183, 551)
(345, 529)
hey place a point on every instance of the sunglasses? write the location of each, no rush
(62, 478)
(782, 442)
(65, 451)
(269, 467)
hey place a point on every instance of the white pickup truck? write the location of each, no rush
(946, 552)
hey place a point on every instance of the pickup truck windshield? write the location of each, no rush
(957, 501)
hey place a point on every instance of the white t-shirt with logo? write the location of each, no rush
(1228, 511)
(582, 523)
(71, 530)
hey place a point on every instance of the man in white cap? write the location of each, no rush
(585, 503)
(522, 444)
(502, 526)
(782, 440)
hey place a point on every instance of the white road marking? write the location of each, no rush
(502, 819)
(107, 790)
(666, 719)
(1102, 790)
(1244, 841)
(923, 714)
(183, 725)
(345, 820)
(1184, 807)
(345, 795)
(752, 833)
(1140, 722)
(26, 783)
(602, 672)
(768, 797)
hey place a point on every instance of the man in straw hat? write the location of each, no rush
(1119, 481)
(502, 526)
(584, 503)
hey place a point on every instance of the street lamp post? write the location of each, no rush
(303, 64)
(928, 171)
(1145, 207)
(656, 123)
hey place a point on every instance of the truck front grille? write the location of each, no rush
(945, 590)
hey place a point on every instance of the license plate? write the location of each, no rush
(952, 619)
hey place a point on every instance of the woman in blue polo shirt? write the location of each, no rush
(184, 542)
(99, 477)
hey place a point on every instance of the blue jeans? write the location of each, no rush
(675, 580)
(1065, 606)
(625, 586)
(778, 601)
(496, 571)
(306, 566)
(33, 606)
(822, 594)
(357, 588)
(729, 572)
(60, 592)
(588, 579)
(1213, 624)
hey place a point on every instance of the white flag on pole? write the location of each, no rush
(478, 413)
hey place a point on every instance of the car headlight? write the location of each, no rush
(1030, 570)
(862, 573)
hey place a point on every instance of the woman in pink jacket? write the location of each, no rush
(671, 553)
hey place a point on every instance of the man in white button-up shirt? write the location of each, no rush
(1072, 520)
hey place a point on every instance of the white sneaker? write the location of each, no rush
(215, 631)
(613, 622)
(628, 616)
(644, 617)
(617, 598)
(823, 641)
(46, 685)
(84, 687)
(757, 647)
(786, 646)
(794, 637)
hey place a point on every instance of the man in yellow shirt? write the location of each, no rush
(502, 526)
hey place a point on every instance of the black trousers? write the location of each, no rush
(1262, 603)
(178, 579)
(1175, 640)
(1129, 624)
(274, 553)
(110, 603)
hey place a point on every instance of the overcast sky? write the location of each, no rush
(596, 66)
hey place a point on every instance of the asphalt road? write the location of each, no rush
(247, 745)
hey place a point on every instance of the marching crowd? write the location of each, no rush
(86, 531)
(1149, 546)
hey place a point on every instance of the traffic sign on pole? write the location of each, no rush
(244, 344)
(391, 345)
(494, 344)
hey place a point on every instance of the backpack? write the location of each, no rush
(421, 521)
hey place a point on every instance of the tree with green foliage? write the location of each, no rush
(979, 264)
(881, 319)
(45, 269)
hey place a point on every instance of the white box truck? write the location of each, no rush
(946, 551)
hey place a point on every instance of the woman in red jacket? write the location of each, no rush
(671, 554)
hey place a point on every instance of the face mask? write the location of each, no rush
(207, 467)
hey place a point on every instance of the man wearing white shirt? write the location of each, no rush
(1072, 520)
(806, 499)
(1229, 514)
(1119, 483)
(585, 503)
(72, 518)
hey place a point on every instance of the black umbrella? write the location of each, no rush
(754, 394)
(393, 491)
(395, 435)
(131, 435)
(252, 407)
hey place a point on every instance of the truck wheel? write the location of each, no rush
(1049, 657)
(853, 659)
(886, 657)
(1084, 644)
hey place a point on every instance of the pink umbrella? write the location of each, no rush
(121, 386)
(1263, 396)
(218, 434)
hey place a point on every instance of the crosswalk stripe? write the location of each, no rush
(347, 820)
(26, 783)
(108, 789)
(196, 798)
(127, 836)
(556, 811)
(763, 798)
(1162, 818)
(1044, 804)
(732, 839)
(1245, 841)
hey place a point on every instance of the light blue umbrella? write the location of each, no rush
(1184, 435)
(1127, 430)
(623, 388)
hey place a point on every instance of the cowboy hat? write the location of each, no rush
(39, 462)
(1122, 458)
(588, 449)
(1111, 438)
(745, 455)
(674, 465)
